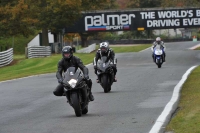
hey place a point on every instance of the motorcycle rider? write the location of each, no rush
(67, 61)
(162, 46)
(104, 50)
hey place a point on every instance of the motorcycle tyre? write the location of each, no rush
(104, 82)
(159, 64)
(85, 110)
(76, 104)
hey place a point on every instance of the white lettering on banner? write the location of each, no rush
(197, 13)
(175, 14)
(110, 21)
(114, 27)
(148, 15)
(123, 19)
(163, 23)
(97, 20)
(191, 21)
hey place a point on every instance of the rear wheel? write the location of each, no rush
(76, 104)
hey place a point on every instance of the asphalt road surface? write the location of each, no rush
(28, 105)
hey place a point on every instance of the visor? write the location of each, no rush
(67, 55)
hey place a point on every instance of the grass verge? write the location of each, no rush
(22, 67)
(187, 118)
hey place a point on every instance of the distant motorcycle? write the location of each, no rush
(76, 90)
(158, 56)
(105, 73)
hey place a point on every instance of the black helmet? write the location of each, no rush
(104, 46)
(67, 52)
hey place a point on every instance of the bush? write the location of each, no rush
(18, 43)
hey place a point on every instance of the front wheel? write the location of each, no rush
(158, 62)
(105, 83)
(85, 110)
(76, 104)
(159, 65)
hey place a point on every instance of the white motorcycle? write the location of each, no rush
(158, 56)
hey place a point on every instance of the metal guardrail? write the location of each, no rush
(88, 49)
(38, 51)
(6, 57)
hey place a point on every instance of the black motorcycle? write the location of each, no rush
(105, 73)
(76, 90)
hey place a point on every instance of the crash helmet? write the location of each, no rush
(104, 46)
(67, 52)
(158, 40)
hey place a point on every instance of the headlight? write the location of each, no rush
(72, 82)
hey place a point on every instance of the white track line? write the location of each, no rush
(149, 48)
(194, 47)
(168, 110)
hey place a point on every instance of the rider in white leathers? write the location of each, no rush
(162, 46)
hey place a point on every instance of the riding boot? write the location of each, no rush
(97, 80)
(164, 57)
(91, 97)
(115, 79)
(153, 58)
(89, 83)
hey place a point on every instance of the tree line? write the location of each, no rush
(23, 17)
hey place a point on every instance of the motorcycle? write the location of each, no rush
(76, 90)
(158, 56)
(105, 73)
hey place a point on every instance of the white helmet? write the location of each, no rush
(158, 39)
(104, 46)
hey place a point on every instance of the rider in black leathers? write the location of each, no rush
(104, 50)
(67, 61)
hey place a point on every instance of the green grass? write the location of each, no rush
(136, 48)
(26, 67)
(22, 67)
(198, 48)
(187, 119)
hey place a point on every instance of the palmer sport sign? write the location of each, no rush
(104, 22)
(137, 20)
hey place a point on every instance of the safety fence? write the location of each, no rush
(88, 49)
(6, 57)
(38, 51)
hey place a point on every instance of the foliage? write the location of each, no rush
(125, 35)
(90, 5)
(180, 3)
(157, 3)
(16, 19)
(17, 42)
(143, 3)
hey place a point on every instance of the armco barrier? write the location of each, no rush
(6, 57)
(38, 51)
(88, 49)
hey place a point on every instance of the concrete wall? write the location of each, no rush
(36, 40)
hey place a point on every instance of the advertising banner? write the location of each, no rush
(137, 20)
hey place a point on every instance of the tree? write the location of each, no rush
(180, 3)
(15, 19)
(144, 3)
